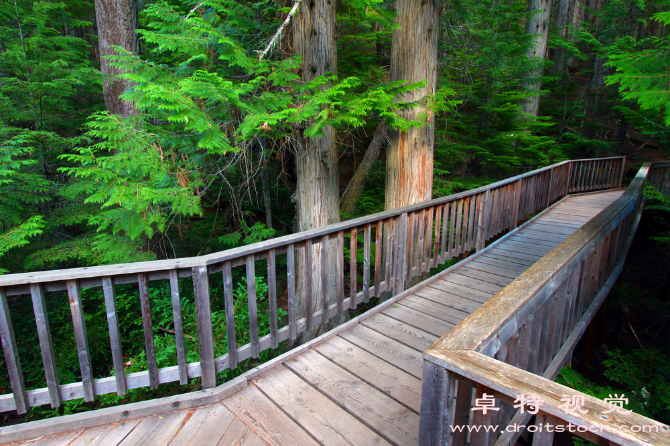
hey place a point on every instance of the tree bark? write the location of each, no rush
(409, 159)
(357, 183)
(317, 193)
(538, 26)
(117, 22)
(561, 21)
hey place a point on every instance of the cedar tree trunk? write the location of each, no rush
(409, 160)
(538, 26)
(117, 22)
(317, 192)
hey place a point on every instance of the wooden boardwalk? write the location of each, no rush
(362, 386)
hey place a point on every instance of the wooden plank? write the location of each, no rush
(481, 436)
(473, 284)
(401, 237)
(12, 355)
(378, 258)
(290, 286)
(203, 314)
(110, 434)
(452, 229)
(46, 345)
(240, 435)
(436, 240)
(229, 303)
(178, 326)
(114, 335)
(448, 299)
(501, 257)
(385, 416)
(476, 274)
(481, 221)
(366, 264)
(269, 422)
(81, 339)
(389, 350)
(206, 426)
(460, 290)
(420, 244)
(399, 331)
(506, 271)
(55, 440)
(251, 302)
(147, 327)
(518, 190)
(328, 423)
(436, 309)
(462, 209)
(353, 250)
(325, 272)
(515, 254)
(156, 430)
(340, 273)
(389, 255)
(388, 379)
(438, 390)
(526, 248)
(534, 241)
(471, 223)
(272, 297)
(500, 265)
(418, 319)
(425, 267)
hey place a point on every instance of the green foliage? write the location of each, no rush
(642, 71)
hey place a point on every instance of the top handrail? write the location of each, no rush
(221, 256)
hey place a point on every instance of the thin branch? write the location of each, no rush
(193, 10)
(280, 30)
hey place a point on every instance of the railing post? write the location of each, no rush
(437, 403)
(12, 356)
(551, 179)
(203, 312)
(401, 243)
(623, 168)
(569, 179)
(481, 221)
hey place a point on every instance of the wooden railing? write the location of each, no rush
(510, 349)
(659, 176)
(396, 246)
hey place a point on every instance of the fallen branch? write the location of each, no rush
(280, 30)
(165, 330)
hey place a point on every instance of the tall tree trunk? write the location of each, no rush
(538, 26)
(357, 183)
(409, 159)
(117, 22)
(561, 22)
(317, 192)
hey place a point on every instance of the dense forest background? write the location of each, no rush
(136, 130)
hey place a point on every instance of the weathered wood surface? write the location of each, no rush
(362, 386)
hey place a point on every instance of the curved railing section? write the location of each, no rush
(395, 246)
(516, 343)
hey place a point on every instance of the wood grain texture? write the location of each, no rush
(12, 355)
(114, 335)
(206, 426)
(386, 417)
(46, 344)
(178, 326)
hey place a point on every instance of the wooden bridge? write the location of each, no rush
(498, 324)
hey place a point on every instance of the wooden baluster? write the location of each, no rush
(378, 258)
(555, 336)
(12, 355)
(479, 418)
(292, 301)
(592, 176)
(272, 297)
(340, 273)
(462, 411)
(229, 302)
(149, 348)
(251, 301)
(325, 298)
(437, 404)
(481, 219)
(409, 252)
(436, 241)
(542, 435)
(46, 345)
(308, 291)
(389, 254)
(540, 330)
(428, 242)
(459, 224)
(572, 290)
(401, 236)
(523, 346)
(445, 233)
(452, 229)
(421, 216)
(353, 252)
(366, 264)
(114, 335)
(81, 339)
(550, 187)
(203, 315)
(471, 223)
(516, 204)
(178, 326)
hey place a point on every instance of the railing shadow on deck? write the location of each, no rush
(509, 350)
(397, 246)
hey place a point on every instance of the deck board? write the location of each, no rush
(362, 386)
